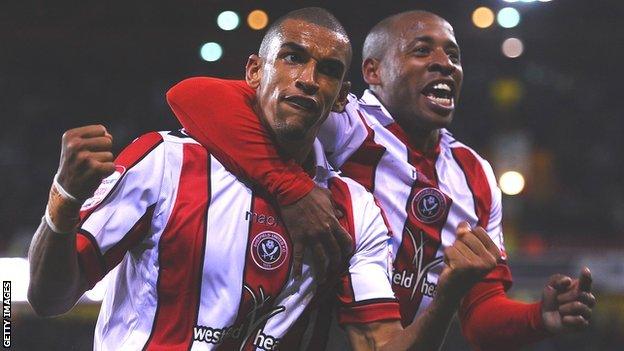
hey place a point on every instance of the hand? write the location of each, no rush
(567, 303)
(86, 159)
(312, 222)
(471, 257)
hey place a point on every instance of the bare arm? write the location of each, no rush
(56, 281)
(468, 260)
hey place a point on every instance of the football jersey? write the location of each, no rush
(424, 197)
(201, 260)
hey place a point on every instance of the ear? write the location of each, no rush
(341, 100)
(371, 72)
(253, 71)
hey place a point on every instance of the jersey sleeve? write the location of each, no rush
(365, 294)
(343, 133)
(218, 114)
(495, 228)
(119, 214)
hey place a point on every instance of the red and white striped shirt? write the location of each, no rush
(424, 197)
(202, 261)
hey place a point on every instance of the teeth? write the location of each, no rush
(441, 100)
(442, 86)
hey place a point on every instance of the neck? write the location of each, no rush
(423, 140)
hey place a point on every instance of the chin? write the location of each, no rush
(289, 132)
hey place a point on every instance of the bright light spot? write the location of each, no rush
(512, 47)
(211, 52)
(483, 17)
(257, 19)
(15, 270)
(511, 183)
(544, 0)
(508, 17)
(511, 0)
(228, 20)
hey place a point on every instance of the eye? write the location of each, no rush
(332, 69)
(454, 56)
(421, 50)
(293, 58)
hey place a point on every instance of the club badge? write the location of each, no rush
(269, 250)
(429, 205)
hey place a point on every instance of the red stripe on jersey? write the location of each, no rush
(342, 199)
(421, 239)
(362, 165)
(180, 258)
(128, 158)
(115, 254)
(267, 267)
(90, 257)
(477, 182)
(424, 163)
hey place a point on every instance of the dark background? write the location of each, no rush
(65, 64)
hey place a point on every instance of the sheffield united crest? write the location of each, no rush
(269, 250)
(429, 205)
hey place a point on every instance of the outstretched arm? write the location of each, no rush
(218, 114)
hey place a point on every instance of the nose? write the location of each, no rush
(306, 81)
(441, 62)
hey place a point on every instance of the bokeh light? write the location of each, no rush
(483, 17)
(257, 19)
(211, 51)
(228, 20)
(506, 92)
(512, 47)
(511, 183)
(508, 17)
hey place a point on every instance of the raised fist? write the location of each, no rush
(86, 159)
(471, 257)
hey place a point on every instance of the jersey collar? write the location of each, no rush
(372, 105)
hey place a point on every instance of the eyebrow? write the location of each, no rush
(298, 47)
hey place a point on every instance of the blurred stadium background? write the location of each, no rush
(541, 100)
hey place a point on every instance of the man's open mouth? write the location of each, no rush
(441, 93)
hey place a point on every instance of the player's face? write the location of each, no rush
(301, 77)
(422, 73)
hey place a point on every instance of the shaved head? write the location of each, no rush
(314, 15)
(384, 33)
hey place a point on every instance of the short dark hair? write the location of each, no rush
(315, 15)
(381, 35)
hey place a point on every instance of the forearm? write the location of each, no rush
(427, 332)
(492, 321)
(55, 282)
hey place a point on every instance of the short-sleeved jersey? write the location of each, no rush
(424, 197)
(200, 260)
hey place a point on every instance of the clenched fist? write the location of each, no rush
(86, 159)
(471, 257)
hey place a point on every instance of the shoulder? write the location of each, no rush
(462, 153)
(203, 87)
